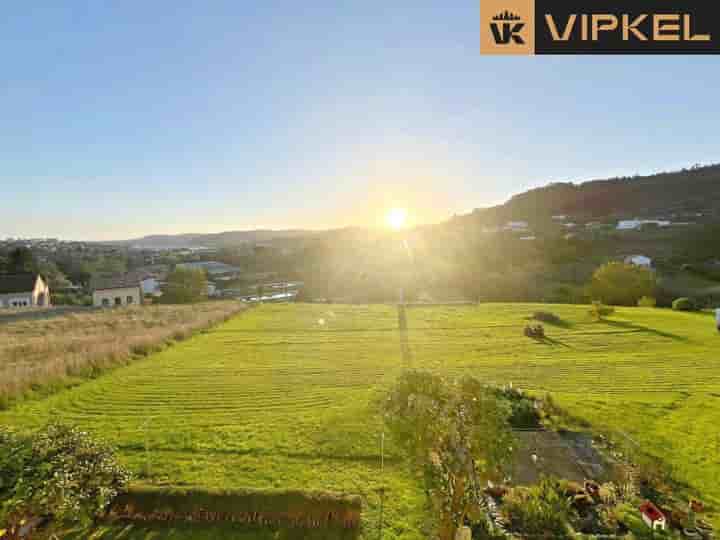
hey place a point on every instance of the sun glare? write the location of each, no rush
(396, 218)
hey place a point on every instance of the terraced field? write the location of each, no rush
(282, 396)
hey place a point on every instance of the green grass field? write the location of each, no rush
(281, 396)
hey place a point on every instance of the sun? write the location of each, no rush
(396, 218)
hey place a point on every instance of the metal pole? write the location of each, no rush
(382, 482)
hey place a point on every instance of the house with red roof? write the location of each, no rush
(652, 516)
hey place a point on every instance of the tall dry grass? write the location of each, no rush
(41, 354)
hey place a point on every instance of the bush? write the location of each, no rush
(683, 304)
(524, 412)
(546, 317)
(60, 473)
(647, 301)
(598, 310)
(535, 331)
(542, 510)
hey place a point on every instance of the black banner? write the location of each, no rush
(627, 27)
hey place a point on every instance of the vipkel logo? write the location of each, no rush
(600, 27)
(506, 28)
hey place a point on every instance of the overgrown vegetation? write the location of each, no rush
(55, 477)
(455, 433)
(38, 354)
(541, 511)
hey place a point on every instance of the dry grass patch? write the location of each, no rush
(42, 353)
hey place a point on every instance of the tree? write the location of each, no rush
(454, 432)
(185, 286)
(53, 275)
(622, 284)
(21, 260)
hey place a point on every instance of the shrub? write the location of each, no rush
(536, 331)
(524, 414)
(647, 302)
(60, 473)
(683, 304)
(542, 510)
(546, 317)
(524, 410)
(598, 310)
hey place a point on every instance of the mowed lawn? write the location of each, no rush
(282, 396)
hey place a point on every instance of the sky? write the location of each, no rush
(122, 119)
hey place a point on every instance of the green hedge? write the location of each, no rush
(273, 508)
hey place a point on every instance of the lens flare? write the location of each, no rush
(396, 218)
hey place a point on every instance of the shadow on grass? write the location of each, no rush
(645, 330)
(550, 342)
(557, 323)
(555, 342)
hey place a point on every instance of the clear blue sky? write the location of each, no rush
(164, 117)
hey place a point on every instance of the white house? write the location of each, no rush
(116, 290)
(636, 224)
(212, 289)
(652, 516)
(23, 290)
(150, 285)
(639, 260)
(517, 226)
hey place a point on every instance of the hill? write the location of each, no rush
(685, 192)
(282, 396)
(212, 240)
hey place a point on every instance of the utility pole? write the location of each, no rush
(382, 483)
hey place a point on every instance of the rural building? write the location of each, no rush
(150, 285)
(116, 290)
(639, 260)
(23, 290)
(517, 226)
(652, 516)
(637, 224)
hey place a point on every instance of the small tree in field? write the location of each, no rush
(185, 286)
(455, 432)
(622, 284)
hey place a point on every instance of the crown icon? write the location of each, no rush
(507, 16)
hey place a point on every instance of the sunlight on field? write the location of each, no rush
(275, 399)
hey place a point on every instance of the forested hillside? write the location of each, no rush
(689, 191)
